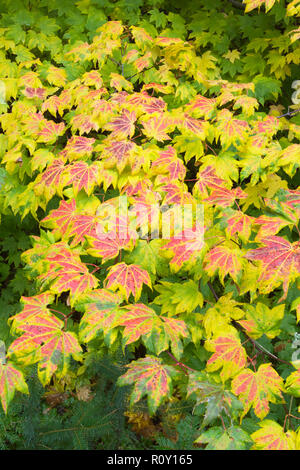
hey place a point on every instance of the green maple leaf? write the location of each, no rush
(233, 438)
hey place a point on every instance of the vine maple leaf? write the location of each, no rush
(228, 354)
(280, 263)
(216, 398)
(11, 379)
(122, 126)
(61, 218)
(32, 307)
(151, 378)
(155, 126)
(228, 129)
(225, 260)
(157, 331)
(128, 279)
(83, 176)
(118, 153)
(169, 163)
(251, 4)
(44, 341)
(237, 222)
(292, 383)
(257, 389)
(271, 436)
(207, 178)
(268, 226)
(50, 131)
(107, 244)
(78, 146)
(224, 197)
(52, 180)
(66, 272)
(101, 308)
(201, 106)
(262, 320)
(184, 248)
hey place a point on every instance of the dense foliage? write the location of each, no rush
(115, 115)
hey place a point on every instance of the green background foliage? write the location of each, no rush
(191, 349)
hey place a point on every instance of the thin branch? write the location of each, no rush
(289, 113)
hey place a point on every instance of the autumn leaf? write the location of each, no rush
(217, 399)
(100, 308)
(157, 332)
(150, 378)
(257, 389)
(128, 279)
(229, 355)
(44, 341)
(260, 320)
(11, 379)
(280, 263)
(271, 436)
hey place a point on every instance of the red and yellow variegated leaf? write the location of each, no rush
(237, 222)
(168, 162)
(50, 131)
(78, 146)
(62, 218)
(52, 180)
(122, 126)
(207, 178)
(39, 93)
(66, 272)
(83, 176)
(292, 383)
(157, 126)
(228, 129)
(187, 124)
(251, 4)
(56, 76)
(120, 83)
(58, 104)
(151, 378)
(93, 78)
(201, 106)
(269, 126)
(225, 260)
(176, 194)
(280, 263)
(83, 123)
(118, 153)
(225, 197)
(271, 436)
(82, 226)
(158, 332)
(257, 389)
(101, 308)
(268, 226)
(11, 379)
(44, 341)
(185, 248)
(158, 87)
(229, 355)
(33, 307)
(107, 243)
(128, 279)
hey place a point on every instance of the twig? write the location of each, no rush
(289, 113)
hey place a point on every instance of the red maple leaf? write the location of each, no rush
(280, 262)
